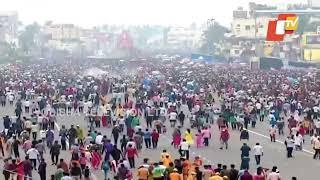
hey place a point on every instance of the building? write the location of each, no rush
(8, 27)
(183, 37)
(62, 36)
(310, 45)
(63, 31)
(314, 3)
(250, 28)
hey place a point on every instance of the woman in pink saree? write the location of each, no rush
(199, 139)
(95, 159)
(176, 138)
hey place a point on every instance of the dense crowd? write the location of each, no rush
(139, 108)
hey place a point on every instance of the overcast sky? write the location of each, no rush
(88, 13)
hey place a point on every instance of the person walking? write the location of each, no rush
(79, 134)
(33, 154)
(15, 147)
(260, 174)
(316, 147)
(224, 137)
(155, 138)
(6, 169)
(246, 175)
(131, 152)
(96, 159)
(143, 173)
(72, 135)
(55, 152)
(147, 138)
(273, 132)
(181, 117)
(274, 175)
(233, 172)
(27, 167)
(115, 133)
(63, 137)
(199, 139)
(289, 143)
(258, 152)
(75, 171)
(42, 169)
(245, 149)
(206, 136)
(245, 161)
(184, 149)
(105, 168)
(188, 136)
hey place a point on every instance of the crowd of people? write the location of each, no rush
(139, 109)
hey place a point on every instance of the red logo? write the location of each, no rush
(285, 24)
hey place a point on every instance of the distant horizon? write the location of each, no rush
(88, 14)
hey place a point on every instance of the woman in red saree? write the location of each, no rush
(176, 138)
(104, 120)
(20, 171)
(95, 159)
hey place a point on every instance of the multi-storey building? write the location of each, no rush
(8, 26)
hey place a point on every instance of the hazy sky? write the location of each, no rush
(88, 13)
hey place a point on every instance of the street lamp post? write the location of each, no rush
(210, 25)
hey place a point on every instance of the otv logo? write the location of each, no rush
(285, 24)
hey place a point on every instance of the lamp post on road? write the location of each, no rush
(210, 25)
(210, 22)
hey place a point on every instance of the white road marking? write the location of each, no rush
(281, 142)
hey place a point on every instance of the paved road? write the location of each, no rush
(275, 153)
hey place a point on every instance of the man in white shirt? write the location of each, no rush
(173, 118)
(258, 152)
(316, 111)
(99, 139)
(33, 154)
(258, 106)
(184, 149)
(11, 98)
(26, 106)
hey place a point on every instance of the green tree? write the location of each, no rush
(306, 24)
(212, 35)
(28, 38)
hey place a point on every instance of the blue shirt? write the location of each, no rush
(147, 135)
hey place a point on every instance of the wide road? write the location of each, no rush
(301, 166)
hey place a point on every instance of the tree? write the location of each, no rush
(28, 37)
(306, 24)
(212, 35)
